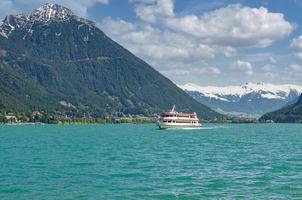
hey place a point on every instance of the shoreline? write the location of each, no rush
(137, 123)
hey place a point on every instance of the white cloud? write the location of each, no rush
(151, 10)
(299, 55)
(152, 43)
(297, 43)
(294, 71)
(186, 45)
(243, 66)
(210, 70)
(263, 57)
(295, 67)
(235, 26)
(200, 71)
(268, 68)
(272, 60)
(143, 1)
(118, 27)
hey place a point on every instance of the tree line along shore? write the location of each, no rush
(44, 118)
(36, 117)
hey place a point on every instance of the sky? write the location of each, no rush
(206, 42)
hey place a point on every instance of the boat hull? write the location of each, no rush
(163, 125)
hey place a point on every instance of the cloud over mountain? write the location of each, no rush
(243, 66)
(186, 43)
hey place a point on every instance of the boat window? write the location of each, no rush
(164, 121)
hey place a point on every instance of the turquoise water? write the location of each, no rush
(141, 162)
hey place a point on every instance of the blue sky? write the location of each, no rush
(214, 42)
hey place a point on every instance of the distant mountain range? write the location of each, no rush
(290, 114)
(55, 62)
(249, 100)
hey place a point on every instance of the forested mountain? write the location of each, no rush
(54, 61)
(291, 114)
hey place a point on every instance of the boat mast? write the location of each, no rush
(173, 109)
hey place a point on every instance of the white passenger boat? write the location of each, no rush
(178, 120)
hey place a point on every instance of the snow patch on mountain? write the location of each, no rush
(265, 90)
(50, 12)
(247, 100)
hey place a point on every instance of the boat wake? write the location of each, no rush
(197, 128)
(215, 127)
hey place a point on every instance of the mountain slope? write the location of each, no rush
(15, 90)
(291, 114)
(69, 65)
(248, 99)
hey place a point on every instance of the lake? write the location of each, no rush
(128, 161)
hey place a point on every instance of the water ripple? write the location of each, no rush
(140, 162)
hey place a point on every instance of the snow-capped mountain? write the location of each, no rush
(43, 15)
(251, 99)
